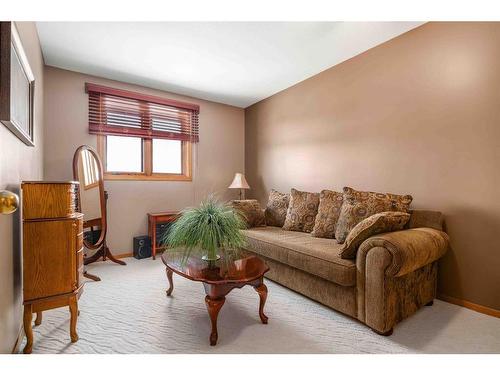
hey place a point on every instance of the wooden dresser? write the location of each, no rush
(52, 252)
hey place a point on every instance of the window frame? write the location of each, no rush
(147, 163)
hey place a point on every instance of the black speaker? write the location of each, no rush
(142, 247)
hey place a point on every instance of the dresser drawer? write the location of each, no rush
(79, 258)
(49, 258)
(48, 200)
(80, 227)
(79, 267)
(79, 242)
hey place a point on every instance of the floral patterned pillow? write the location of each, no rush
(251, 212)
(330, 203)
(359, 205)
(276, 208)
(375, 224)
(302, 211)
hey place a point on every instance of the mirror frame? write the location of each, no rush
(102, 194)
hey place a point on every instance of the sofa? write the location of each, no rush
(392, 276)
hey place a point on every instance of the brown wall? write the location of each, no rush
(419, 114)
(18, 162)
(218, 155)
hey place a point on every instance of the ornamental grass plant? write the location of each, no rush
(210, 230)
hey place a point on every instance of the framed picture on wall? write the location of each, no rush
(17, 85)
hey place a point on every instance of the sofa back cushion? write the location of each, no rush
(302, 211)
(277, 206)
(426, 219)
(359, 205)
(251, 212)
(330, 203)
(372, 225)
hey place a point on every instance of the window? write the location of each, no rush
(124, 154)
(165, 156)
(142, 137)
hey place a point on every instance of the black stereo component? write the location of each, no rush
(142, 247)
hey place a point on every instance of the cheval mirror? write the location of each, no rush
(92, 202)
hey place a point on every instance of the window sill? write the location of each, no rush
(142, 177)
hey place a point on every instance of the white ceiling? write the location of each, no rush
(237, 63)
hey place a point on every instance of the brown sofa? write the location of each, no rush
(393, 275)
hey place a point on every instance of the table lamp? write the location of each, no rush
(239, 182)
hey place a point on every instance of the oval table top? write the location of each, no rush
(240, 267)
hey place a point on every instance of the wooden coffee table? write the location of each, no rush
(219, 278)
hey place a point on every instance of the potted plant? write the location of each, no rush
(209, 230)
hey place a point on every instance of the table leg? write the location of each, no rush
(28, 329)
(262, 290)
(170, 282)
(38, 319)
(213, 307)
(153, 238)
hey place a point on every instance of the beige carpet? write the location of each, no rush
(128, 312)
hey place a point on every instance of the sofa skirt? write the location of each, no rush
(338, 297)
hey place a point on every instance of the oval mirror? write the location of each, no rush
(87, 169)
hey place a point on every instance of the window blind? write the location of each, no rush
(119, 112)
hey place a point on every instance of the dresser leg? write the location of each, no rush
(38, 319)
(73, 309)
(28, 330)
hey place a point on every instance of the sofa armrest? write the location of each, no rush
(410, 249)
(396, 274)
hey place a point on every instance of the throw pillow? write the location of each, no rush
(372, 225)
(276, 208)
(302, 211)
(251, 212)
(358, 205)
(330, 203)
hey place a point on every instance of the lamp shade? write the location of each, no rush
(239, 182)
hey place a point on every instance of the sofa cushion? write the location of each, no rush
(302, 211)
(330, 203)
(317, 256)
(372, 225)
(251, 211)
(358, 205)
(276, 208)
(426, 219)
